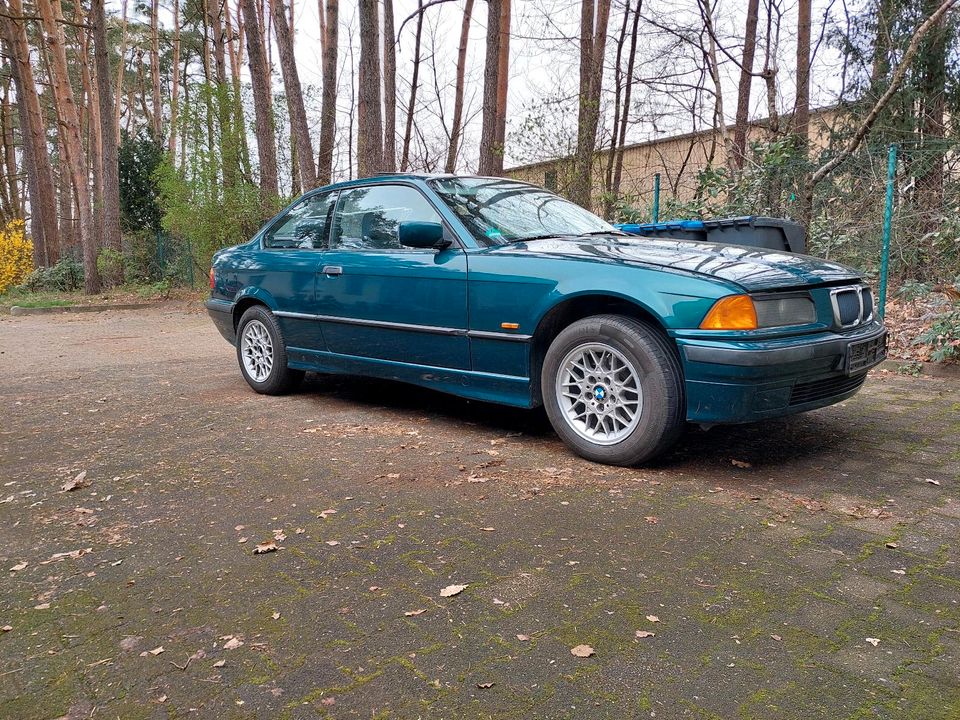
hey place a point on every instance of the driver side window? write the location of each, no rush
(305, 226)
(368, 218)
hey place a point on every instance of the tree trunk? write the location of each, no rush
(236, 100)
(593, 37)
(90, 101)
(43, 204)
(503, 76)
(174, 85)
(491, 156)
(801, 107)
(414, 83)
(11, 191)
(370, 125)
(291, 84)
(262, 103)
(328, 109)
(608, 199)
(121, 67)
(621, 140)
(108, 131)
(746, 80)
(455, 129)
(389, 89)
(73, 143)
(155, 68)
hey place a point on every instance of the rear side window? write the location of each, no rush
(368, 218)
(305, 226)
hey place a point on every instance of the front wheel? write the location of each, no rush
(263, 355)
(613, 390)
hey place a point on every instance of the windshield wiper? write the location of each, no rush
(605, 232)
(545, 236)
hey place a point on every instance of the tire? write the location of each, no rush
(262, 353)
(613, 389)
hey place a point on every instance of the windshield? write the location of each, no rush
(498, 211)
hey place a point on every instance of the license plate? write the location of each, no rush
(865, 354)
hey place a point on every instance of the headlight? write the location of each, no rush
(742, 312)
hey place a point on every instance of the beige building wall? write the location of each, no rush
(678, 159)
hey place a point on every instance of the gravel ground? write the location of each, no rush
(802, 568)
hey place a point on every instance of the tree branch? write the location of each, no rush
(418, 11)
(892, 90)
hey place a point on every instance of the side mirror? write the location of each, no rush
(423, 235)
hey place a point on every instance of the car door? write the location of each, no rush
(291, 252)
(385, 301)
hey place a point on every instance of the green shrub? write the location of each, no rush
(943, 337)
(65, 276)
(110, 266)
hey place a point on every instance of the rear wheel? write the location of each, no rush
(613, 390)
(263, 355)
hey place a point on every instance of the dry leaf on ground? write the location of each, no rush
(79, 481)
(451, 590)
(581, 651)
(7, 628)
(233, 643)
(652, 519)
(220, 663)
(873, 641)
(325, 513)
(741, 463)
(414, 613)
(523, 638)
(19, 566)
(644, 634)
(332, 543)
(484, 686)
(265, 547)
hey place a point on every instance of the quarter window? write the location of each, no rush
(305, 225)
(368, 218)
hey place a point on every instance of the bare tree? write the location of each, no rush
(593, 37)
(69, 116)
(108, 131)
(262, 102)
(155, 68)
(369, 117)
(456, 128)
(328, 108)
(43, 203)
(291, 84)
(389, 89)
(491, 155)
(503, 75)
(746, 80)
(174, 84)
(414, 85)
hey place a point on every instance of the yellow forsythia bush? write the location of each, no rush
(16, 255)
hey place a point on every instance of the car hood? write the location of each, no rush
(752, 268)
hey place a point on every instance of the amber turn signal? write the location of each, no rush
(213, 280)
(734, 312)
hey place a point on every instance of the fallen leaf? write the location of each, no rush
(276, 616)
(328, 701)
(873, 641)
(42, 606)
(451, 590)
(487, 529)
(414, 613)
(484, 686)
(232, 644)
(741, 463)
(300, 531)
(644, 634)
(374, 588)
(279, 535)
(899, 572)
(7, 628)
(242, 540)
(80, 481)
(329, 511)
(581, 651)
(777, 638)
(265, 547)
(332, 543)
(156, 651)
(220, 663)
(523, 638)
(653, 618)
(19, 566)
(932, 481)
(161, 699)
(476, 479)
(893, 545)
(652, 519)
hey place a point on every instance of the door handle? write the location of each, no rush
(331, 270)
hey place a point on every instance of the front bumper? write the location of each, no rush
(221, 312)
(747, 380)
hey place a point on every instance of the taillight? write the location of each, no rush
(213, 281)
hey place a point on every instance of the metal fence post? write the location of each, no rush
(656, 198)
(887, 223)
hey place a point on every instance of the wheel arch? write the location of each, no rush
(578, 307)
(247, 299)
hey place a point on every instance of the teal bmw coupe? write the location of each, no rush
(500, 291)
